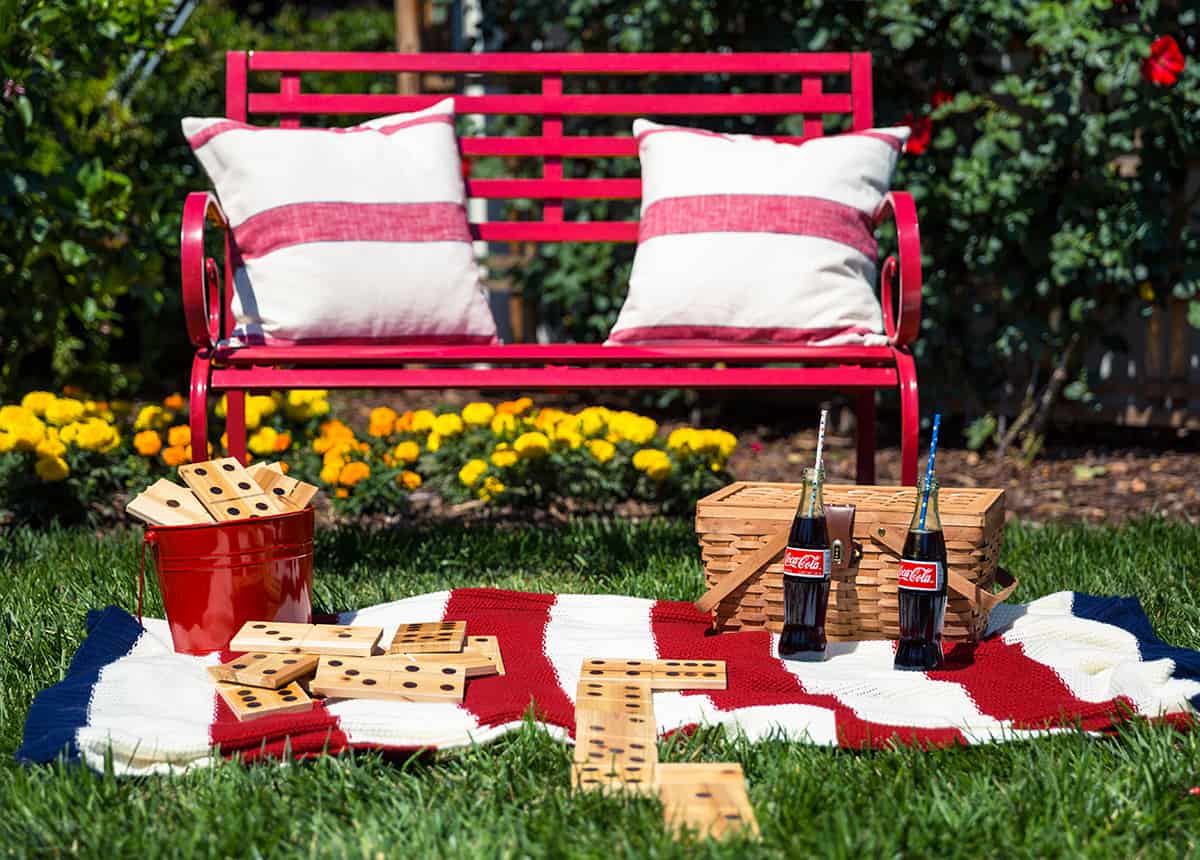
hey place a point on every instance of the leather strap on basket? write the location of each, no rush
(892, 538)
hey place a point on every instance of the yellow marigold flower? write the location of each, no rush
(502, 458)
(515, 407)
(531, 445)
(653, 462)
(433, 441)
(592, 420)
(404, 422)
(174, 402)
(261, 442)
(175, 456)
(98, 409)
(354, 472)
(286, 468)
(330, 472)
(409, 479)
(64, 410)
(492, 487)
(383, 420)
(7, 441)
(448, 425)
(406, 452)
(52, 469)
(283, 441)
(13, 415)
(147, 443)
(680, 440)
(423, 421)
(601, 449)
(342, 493)
(337, 454)
(565, 432)
(151, 417)
(27, 434)
(332, 433)
(638, 429)
(179, 435)
(37, 401)
(726, 443)
(478, 414)
(50, 447)
(504, 424)
(95, 435)
(471, 472)
(547, 418)
(302, 404)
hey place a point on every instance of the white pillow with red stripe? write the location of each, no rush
(353, 235)
(744, 239)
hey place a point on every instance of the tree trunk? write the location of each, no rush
(408, 41)
(1030, 425)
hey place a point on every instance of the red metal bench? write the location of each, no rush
(524, 367)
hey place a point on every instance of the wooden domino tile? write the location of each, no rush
(291, 492)
(614, 697)
(430, 637)
(489, 646)
(227, 491)
(271, 636)
(708, 798)
(349, 640)
(280, 638)
(343, 679)
(260, 669)
(164, 503)
(689, 675)
(473, 663)
(617, 670)
(252, 703)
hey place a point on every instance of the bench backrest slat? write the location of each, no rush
(555, 96)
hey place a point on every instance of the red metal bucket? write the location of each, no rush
(214, 577)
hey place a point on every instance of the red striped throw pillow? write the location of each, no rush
(746, 239)
(347, 234)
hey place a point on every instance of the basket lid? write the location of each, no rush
(755, 500)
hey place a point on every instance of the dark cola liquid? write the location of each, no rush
(922, 613)
(805, 600)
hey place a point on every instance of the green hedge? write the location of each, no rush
(1052, 181)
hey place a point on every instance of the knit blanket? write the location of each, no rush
(1063, 662)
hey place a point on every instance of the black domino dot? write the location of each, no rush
(172, 503)
(278, 491)
(228, 467)
(370, 682)
(262, 506)
(410, 684)
(245, 485)
(447, 687)
(232, 511)
(201, 471)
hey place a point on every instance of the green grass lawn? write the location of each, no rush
(1067, 795)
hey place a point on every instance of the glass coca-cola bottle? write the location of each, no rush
(806, 567)
(922, 581)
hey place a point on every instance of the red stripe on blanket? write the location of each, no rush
(205, 135)
(300, 735)
(519, 621)
(759, 678)
(1029, 694)
(787, 214)
(303, 223)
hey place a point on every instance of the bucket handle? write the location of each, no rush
(147, 539)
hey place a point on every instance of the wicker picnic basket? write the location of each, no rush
(737, 524)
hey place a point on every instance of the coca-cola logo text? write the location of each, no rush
(809, 563)
(920, 575)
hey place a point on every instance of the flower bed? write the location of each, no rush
(64, 456)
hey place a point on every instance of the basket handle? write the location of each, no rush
(148, 539)
(893, 541)
(745, 569)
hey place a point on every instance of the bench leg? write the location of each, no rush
(198, 405)
(235, 423)
(910, 417)
(864, 414)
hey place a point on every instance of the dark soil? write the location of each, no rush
(1071, 481)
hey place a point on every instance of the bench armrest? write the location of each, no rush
(201, 277)
(901, 324)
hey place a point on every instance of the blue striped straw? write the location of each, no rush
(937, 422)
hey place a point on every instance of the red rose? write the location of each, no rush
(1165, 62)
(941, 97)
(922, 131)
